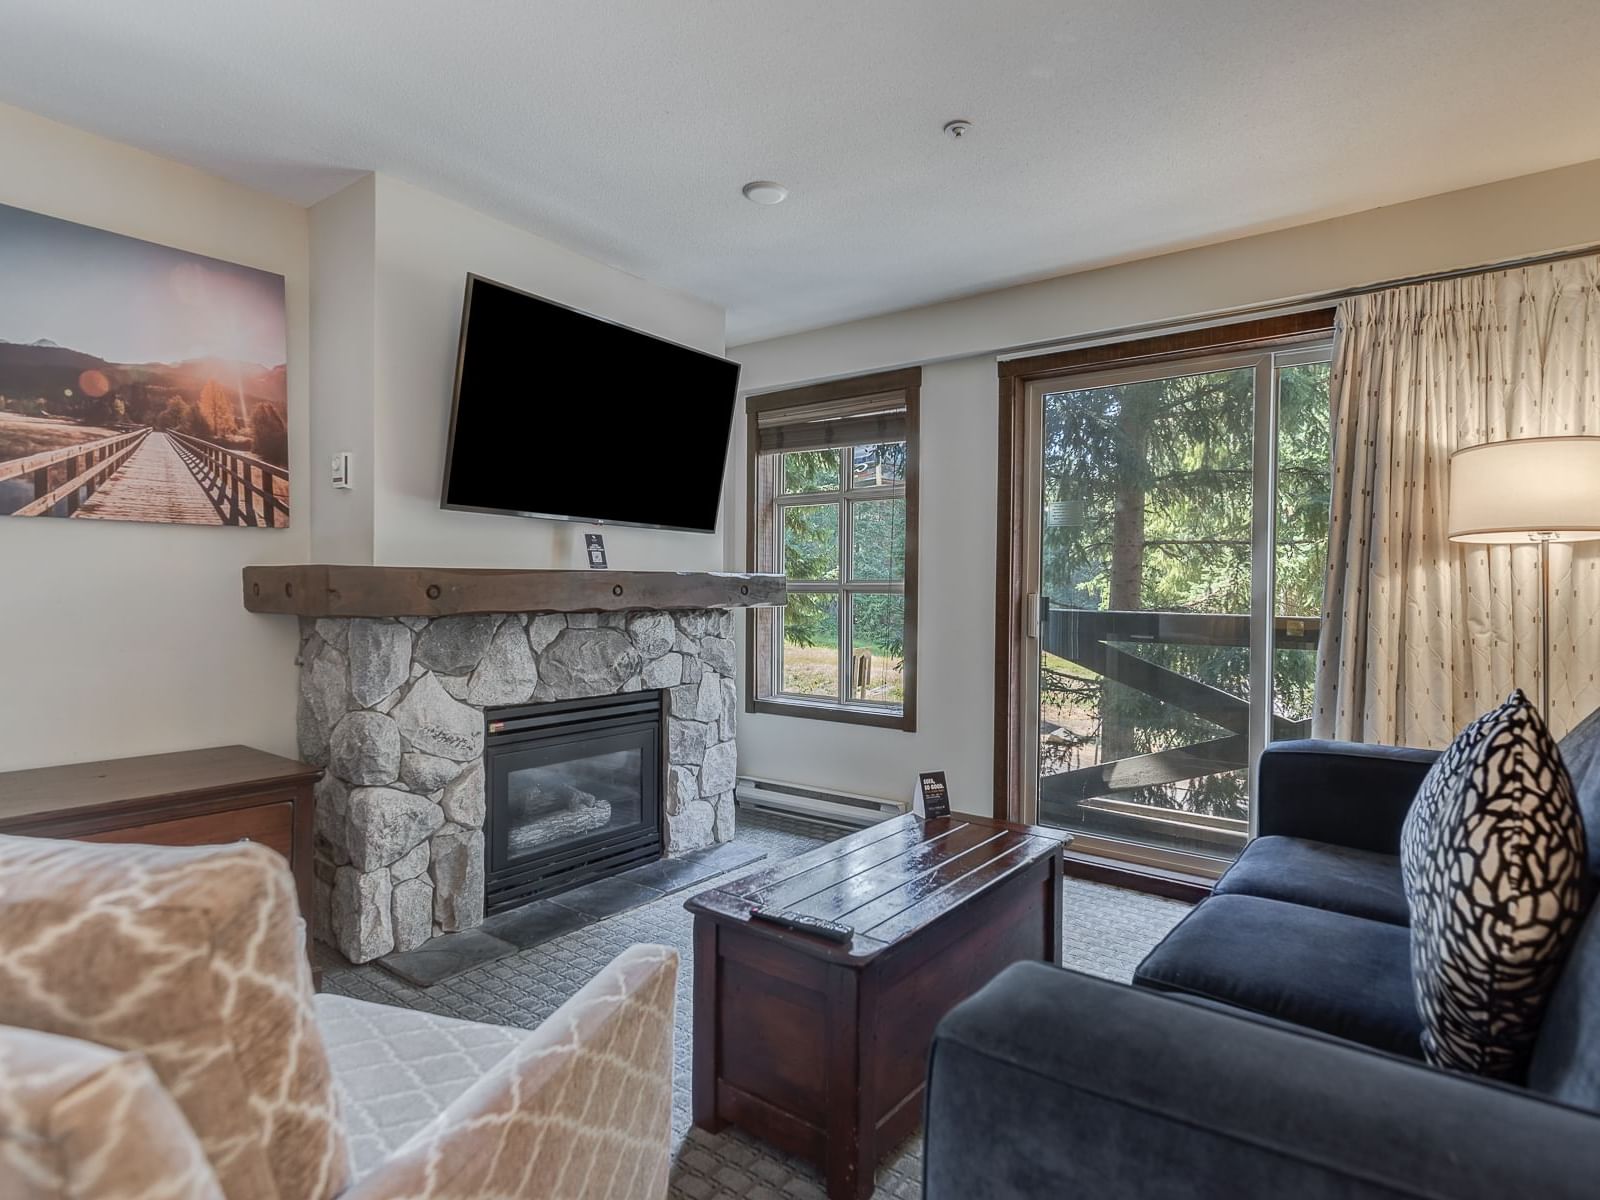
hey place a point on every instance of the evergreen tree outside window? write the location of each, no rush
(1161, 517)
(833, 486)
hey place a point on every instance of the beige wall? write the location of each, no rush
(118, 638)
(1531, 215)
(343, 334)
(121, 639)
(1553, 210)
(390, 262)
(426, 246)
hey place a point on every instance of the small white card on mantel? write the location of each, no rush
(932, 798)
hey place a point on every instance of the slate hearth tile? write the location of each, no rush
(665, 875)
(533, 924)
(675, 874)
(729, 856)
(604, 897)
(445, 957)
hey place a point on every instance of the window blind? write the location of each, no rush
(860, 420)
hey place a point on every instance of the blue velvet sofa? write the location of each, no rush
(1270, 1046)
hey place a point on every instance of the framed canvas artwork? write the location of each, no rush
(138, 382)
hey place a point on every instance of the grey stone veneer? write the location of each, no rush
(393, 708)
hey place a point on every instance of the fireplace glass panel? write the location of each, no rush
(551, 803)
(574, 793)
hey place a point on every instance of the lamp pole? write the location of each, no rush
(1544, 539)
(1538, 489)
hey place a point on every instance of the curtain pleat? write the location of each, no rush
(1419, 634)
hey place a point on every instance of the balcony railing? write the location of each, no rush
(1094, 640)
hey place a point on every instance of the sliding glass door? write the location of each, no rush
(1179, 533)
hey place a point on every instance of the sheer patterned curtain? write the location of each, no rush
(1419, 634)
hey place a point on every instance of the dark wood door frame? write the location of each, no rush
(1011, 549)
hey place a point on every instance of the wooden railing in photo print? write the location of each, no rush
(241, 485)
(89, 466)
(228, 487)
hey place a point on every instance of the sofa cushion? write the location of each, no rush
(194, 957)
(1580, 751)
(1360, 883)
(1329, 971)
(1566, 1056)
(1349, 793)
(83, 1122)
(398, 1068)
(1494, 862)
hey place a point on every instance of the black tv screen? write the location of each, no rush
(561, 414)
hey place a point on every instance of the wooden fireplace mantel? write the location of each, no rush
(331, 590)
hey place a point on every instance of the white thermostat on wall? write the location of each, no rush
(341, 469)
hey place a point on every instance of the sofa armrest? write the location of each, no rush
(1346, 793)
(1082, 1087)
(583, 1107)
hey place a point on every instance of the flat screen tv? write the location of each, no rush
(564, 415)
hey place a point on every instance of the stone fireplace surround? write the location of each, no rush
(393, 708)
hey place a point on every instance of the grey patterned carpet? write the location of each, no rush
(1107, 932)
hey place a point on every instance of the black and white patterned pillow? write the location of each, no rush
(1493, 856)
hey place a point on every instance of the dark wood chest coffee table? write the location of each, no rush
(820, 1048)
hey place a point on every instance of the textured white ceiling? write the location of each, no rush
(624, 128)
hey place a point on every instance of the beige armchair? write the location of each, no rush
(159, 1038)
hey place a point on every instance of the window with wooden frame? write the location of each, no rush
(833, 506)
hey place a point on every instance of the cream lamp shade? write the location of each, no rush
(1529, 489)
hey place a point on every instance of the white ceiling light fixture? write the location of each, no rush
(958, 129)
(764, 191)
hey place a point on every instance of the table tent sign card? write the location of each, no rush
(933, 796)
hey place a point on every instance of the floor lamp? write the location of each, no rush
(1540, 490)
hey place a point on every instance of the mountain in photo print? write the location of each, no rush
(138, 382)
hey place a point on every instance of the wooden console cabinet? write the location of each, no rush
(193, 798)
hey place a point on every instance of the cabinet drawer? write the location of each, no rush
(270, 824)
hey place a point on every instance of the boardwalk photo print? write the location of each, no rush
(138, 382)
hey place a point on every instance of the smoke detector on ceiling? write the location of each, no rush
(764, 191)
(958, 128)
